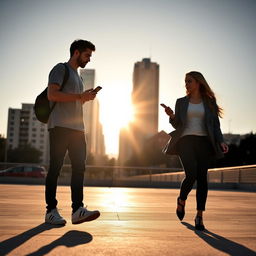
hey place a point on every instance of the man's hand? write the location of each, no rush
(88, 95)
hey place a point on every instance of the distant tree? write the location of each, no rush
(24, 154)
(102, 160)
(112, 161)
(90, 159)
(244, 154)
(232, 158)
(134, 160)
(2, 148)
(247, 150)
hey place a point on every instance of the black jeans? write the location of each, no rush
(195, 153)
(61, 141)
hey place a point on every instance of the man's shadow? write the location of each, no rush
(71, 238)
(221, 243)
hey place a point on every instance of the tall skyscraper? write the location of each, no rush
(125, 145)
(145, 98)
(23, 128)
(93, 127)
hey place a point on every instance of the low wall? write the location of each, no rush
(240, 177)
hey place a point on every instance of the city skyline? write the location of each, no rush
(217, 38)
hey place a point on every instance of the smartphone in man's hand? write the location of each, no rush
(97, 89)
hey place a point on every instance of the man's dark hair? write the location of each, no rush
(81, 46)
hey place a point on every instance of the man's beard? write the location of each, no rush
(81, 63)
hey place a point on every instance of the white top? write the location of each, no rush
(195, 120)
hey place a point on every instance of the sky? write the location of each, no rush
(217, 38)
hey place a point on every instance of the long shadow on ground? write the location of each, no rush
(71, 238)
(221, 243)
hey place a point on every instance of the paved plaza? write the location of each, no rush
(133, 221)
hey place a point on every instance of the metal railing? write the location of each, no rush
(155, 176)
(238, 174)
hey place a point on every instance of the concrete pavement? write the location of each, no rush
(133, 221)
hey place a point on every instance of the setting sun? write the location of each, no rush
(116, 112)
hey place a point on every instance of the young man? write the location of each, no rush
(66, 133)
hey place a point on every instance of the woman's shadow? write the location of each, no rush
(221, 243)
(69, 239)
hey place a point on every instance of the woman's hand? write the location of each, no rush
(169, 112)
(224, 147)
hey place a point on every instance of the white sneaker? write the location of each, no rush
(53, 217)
(82, 215)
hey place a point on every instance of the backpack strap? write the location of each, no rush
(65, 79)
(66, 76)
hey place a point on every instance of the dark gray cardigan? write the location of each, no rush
(212, 125)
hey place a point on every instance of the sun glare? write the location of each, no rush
(116, 112)
(117, 106)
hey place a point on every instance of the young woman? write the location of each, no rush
(197, 139)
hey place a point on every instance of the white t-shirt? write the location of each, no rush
(195, 124)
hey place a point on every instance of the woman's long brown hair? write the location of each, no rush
(206, 92)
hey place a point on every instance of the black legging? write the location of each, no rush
(195, 153)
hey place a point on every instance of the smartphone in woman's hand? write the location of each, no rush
(163, 105)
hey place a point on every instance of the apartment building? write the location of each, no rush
(23, 128)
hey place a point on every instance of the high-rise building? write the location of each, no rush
(145, 98)
(88, 78)
(93, 127)
(23, 128)
(125, 145)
